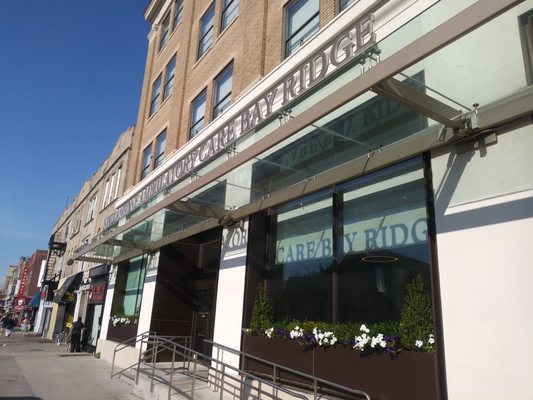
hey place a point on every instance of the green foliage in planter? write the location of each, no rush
(416, 322)
(262, 312)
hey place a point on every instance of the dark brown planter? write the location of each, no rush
(121, 332)
(410, 375)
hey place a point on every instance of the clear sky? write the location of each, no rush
(70, 82)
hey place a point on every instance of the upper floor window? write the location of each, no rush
(146, 161)
(303, 20)
(229, 12)
(206, 31)
(222, 96)
(111, 188)
(345, 3)
(165, 30)
(156, 94)
(197, 115)
(160, 148)
(92, 208)
(169, 77)
(178, 13)
(526, 32)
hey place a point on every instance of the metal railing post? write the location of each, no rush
(222, 381)
(315, 389)
(139, 361)
(154, 355)
(194, 357)
(171, 370)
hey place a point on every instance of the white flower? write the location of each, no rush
(324, 338)
(269, 332)
(361, 341)
(431, 339)
(419, 343)
(364, 329)
(378, 340)
(296, 333)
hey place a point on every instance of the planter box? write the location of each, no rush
(411, 375)
(121, 332)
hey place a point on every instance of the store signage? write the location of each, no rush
(374, 234)
(97, 292)
(347, 46)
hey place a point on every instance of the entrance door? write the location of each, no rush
(203, 319)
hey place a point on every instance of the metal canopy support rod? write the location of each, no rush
(420, 102)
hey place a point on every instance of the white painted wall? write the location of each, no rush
(230, 292)
(147, 303)
(484, 217)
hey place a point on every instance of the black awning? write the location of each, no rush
(66, 292)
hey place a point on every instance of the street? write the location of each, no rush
(33, 368)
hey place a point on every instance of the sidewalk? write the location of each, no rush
(33, 368)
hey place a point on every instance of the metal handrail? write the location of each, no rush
(160, 344)
(292, 371)
(122, 346)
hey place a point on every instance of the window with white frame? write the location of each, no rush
(222, 95)
(160, 148)
(165, 30)
(178, 13)
(302, 22)
(146, 161)
(156, 95)
(111, 188)
(230, 8)
(169, 77)
(205, 39)
(197, 114)
(92, 208)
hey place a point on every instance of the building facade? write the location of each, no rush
(74, 288)
(331, 154)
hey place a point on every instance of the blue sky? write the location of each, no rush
(70, 81)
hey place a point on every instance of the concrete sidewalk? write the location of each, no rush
(35, 368)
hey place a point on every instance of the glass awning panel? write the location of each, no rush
(431, 91)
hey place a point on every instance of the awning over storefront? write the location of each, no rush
(386, 103)
(67, 288)
(34, 302)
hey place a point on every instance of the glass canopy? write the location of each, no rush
(431, 93)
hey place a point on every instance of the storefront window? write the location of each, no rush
(360, 273)
(382, 242)
(301, 261)
(128, 287)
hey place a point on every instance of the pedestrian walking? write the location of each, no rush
(24, 327)
(8, 325)
(75, 336)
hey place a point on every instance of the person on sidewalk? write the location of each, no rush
(8, 325)
(75, 336)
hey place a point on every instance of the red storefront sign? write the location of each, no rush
(97, 292)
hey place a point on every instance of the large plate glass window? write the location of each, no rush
(382, 242)
(301, 261)
(347, 254)
(223, 84)
(303, 20)
(206, 31)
